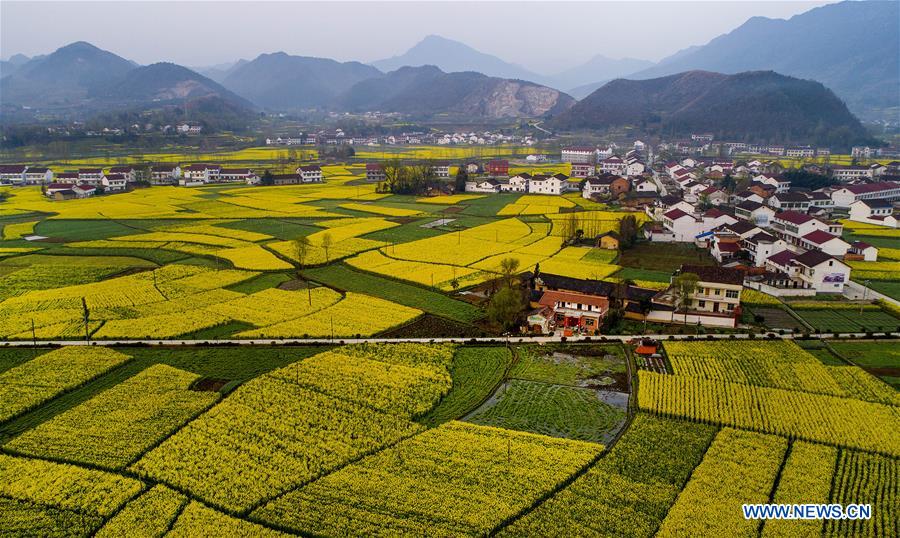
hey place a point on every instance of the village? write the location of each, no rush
(764, 233)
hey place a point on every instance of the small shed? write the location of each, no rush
(608, 241)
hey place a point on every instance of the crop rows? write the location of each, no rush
(356, 314)
(40, 379)
(813, 417)
(867, 478)
(118, 425)
(272, 433)
(456, 479)
(806, 478)
(739, 467)
(779, 364)
(629, 491)
(41, 498)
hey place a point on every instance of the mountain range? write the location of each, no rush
(427, 91)
(754, 105)
(851, 47)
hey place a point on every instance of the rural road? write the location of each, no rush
(484, 340)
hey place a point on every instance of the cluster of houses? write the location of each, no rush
(613, 176)
(577, 306)
(86, 182)
(339, 138)
(785, 238)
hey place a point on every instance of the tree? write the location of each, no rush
(462, 176)
(508, 268)
(684, 285)
(301, 248)
(505, 307)
(267, 178)
(326, 244)
(628, 231)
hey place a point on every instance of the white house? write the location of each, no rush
(113, 182)
(517, 183)
(540, 184)
(887, 190)
(441, 170)
(483, 185)
(128, 171)
(867, 251)
(164, 174)
(646, 185)
(822, 272)
(582, 169)
(792, 226)
(754, 212)
(797, 201)
(579, 155)
(824, 241)
(850, 173)
(90, 176)
(761, 246)
(12, 174)
(613, 165)
(244, 175)
(312, 173)
(686, 227)
(38, 175)
(781, 184)
(635, 167)
(202, 173)
(874, 211)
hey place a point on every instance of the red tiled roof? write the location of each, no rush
(864, 188)
(675, 214)
(550, 298)
(794, 217)
(782, 258)
(12, 168)
(818, 237)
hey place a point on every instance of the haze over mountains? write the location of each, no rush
(850, 47)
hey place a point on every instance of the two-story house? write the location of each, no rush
(541, 184)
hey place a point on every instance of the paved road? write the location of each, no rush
(855, 291)
(490, 340)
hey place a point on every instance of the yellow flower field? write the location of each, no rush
(381, 210)
(281, 423)
(355, 314)
(18, 229)
(429, 484)
(50, 374)
(448, 199)
(118, 425)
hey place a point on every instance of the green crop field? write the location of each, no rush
(555, 410)
(476, 372)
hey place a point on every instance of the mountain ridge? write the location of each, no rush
(850, 47)
(761, 105)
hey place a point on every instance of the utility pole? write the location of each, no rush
(87, 334)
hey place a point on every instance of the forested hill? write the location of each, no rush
(755, 105)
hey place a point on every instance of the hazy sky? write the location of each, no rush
(543, 36)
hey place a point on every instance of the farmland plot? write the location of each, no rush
(429, 484)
